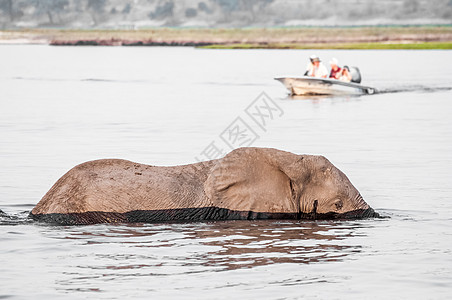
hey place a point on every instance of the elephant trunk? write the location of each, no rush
(360, 214)
(364, 210)
(371, 213)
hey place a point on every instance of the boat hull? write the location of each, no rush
(323, 86)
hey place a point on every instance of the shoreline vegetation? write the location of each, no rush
(373, 37)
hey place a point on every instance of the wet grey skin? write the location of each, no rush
(247, 184)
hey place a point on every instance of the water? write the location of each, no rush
(60, 106)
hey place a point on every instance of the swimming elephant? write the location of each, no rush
(246, 184)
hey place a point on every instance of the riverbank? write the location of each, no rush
(388, 37)
(342, 46)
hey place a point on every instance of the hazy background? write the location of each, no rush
(132, 14)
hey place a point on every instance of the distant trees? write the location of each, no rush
(204, 8)
(247, 10)
(96, 8)
(255, 8)
(51, 8)
(127, 9)
(410, 6)
(162, 11)
(98, 13)
(191, 12)
(6, 6)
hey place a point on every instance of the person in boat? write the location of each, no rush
(335, 69)
(315, 68)
(345, 75)
(339, 73)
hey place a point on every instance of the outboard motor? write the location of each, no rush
(356, 74)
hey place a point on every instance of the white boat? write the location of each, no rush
(323, 86)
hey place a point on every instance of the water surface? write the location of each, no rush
(60, 106)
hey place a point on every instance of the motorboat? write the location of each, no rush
(306, 85)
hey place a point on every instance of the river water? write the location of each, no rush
(60, 106)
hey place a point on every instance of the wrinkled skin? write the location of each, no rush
(248, 183)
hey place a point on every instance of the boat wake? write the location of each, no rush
(415, 88)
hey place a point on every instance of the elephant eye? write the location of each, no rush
(338, 203)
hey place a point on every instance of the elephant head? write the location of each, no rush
(273, 182)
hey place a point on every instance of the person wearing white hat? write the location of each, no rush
(338, 72)
(335, 69)
(315, 68)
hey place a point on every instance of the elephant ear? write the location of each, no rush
(249, 179)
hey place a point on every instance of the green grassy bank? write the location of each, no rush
(344, 46)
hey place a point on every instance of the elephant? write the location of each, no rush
(246, 184)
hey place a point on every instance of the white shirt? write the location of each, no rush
(319, 72)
